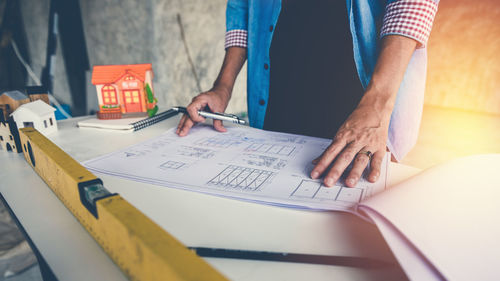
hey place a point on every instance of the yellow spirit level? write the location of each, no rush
(142, 249)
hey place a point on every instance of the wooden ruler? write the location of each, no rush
(142, 249)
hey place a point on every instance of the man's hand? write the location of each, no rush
(216, 100)
(367, 127)
(364, 130)
(218, 97)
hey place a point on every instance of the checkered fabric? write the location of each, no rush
(410, 18)
(236, 38)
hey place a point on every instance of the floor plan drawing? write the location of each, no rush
(267, 148)
(219, 142)
(196, 152)
(242, 178)
(257, 160)
(172, 165)
(242, 163)
(316, 190)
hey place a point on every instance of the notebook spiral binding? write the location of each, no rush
(153, 120)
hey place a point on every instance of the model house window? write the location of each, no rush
(129, 77)
(127, 97)
(135, 96)
(45, 123)
(50, 120)
(11, 138)
(28, 124)
(1, 138)
(109, 95)
(132, 96)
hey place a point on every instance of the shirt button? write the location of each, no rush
(262, 102)
(271, 28)
(266, 66)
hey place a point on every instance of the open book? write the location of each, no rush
(444, 223)
(426, 220)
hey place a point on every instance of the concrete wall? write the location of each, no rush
(130, 31)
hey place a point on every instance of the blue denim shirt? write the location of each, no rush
(365, 17)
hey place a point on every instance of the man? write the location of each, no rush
(324, 62)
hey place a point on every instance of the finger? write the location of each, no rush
(327, 157)
(186, 127)
(376, 165)
(360, 162)
(316, 160)
(181, 123)
(341, 163)
(219, 126)
(193, 108)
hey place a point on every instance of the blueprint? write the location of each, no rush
(242, 163)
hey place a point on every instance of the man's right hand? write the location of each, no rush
(216, 100)
(218, 97)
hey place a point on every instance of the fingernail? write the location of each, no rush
(351, 181)
(328, 181)
(314, 175)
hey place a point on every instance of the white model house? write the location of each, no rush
(38, 115)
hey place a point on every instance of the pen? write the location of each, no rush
(214, 115)
(350, 261)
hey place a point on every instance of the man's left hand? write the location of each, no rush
(361, 138)
(363, 135)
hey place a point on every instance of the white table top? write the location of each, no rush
(195, 219)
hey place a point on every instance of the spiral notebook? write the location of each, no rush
(126, 124)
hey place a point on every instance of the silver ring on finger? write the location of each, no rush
(367, 153)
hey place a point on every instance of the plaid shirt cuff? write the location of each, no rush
(236, 38)
(410, 18)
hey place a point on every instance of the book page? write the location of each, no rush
(414, 264)
(451, 214)
(243, 163)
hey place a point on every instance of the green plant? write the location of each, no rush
(151, 100)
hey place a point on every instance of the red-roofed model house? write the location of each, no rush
(124, 89)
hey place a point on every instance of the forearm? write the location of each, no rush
(233, 62)
(395, 54)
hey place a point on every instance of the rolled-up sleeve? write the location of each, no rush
(410, 18)
(236, 24)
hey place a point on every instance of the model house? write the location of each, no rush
(37, 93)
(38, 115)
(124, 90)
(10, 101)
(9, 136)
